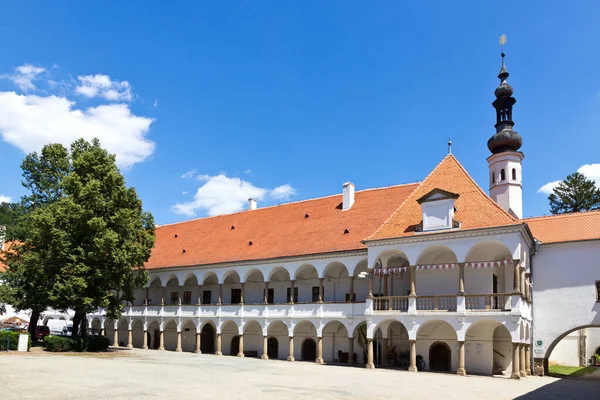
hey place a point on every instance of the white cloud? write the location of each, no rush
(184, 192)
(221, 194)
(102, 86)
(5, 199)
(248, 171)
(29, 122)
(188, 174)
(283, 192)
(24, 76)
(155, 104)
(591, 171)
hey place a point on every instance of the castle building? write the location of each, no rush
(436, 275)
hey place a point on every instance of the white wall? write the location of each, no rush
(566, 351)
(564, 293)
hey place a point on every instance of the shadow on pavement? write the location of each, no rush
(585, 387)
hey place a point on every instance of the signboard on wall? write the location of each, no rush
(538, 348)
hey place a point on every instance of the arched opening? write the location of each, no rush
(495, 279)
(361, 285)
(95, 326)
(428, 277)
(391, 346)
(434, 332)
(172, 291)
(439, 357)
(235, 346)
(154, 332)
(272, 348)
(170, 336)
(155, 292)
(514, 174)
(309, 350)
(253, 339)
(335, 342)
(336, 282)
(190, 291)
(502, 175)
(255, 287)
(207, 339)
(278, 331)
(210, 289)
(307, 283)
(493, 177)
(360, 343)
(488, 348)
(304, 331)
(279, 284)
(576, 347)
(188, 337)
(229, 330)
(138, 334)
(232, 289)
(123, 334)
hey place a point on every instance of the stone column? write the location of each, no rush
(145, 346)
(199, 294)
(147, 296)
(461, 279)
(522, 360)
(265, 354)
(161, 346)
(413, 285)
(266, 296)
(351, 351)
(178, 349)
(116, 338)
(162, 296)
(413, 356)
(319, 359)
(102, 332)
(516, 278)
(291, 356)
(527, 359)
(515, 361)
(241, 349)
(220, 298)
(351, 289)
(370, 295)
(320, 290)
(461, 359)
(218, 352)
(197, 349)
(293, 285)
(242, 292)
(130, 339)
(370, 364)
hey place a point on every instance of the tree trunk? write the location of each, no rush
(76, 323)
(33, 321)
(83, 329)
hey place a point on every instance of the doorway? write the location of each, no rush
(439, 357)
(235, 346)
(495, 303)
(207, 339)
(272, 348)
(309, 350)
(156, 341)
(148, 340)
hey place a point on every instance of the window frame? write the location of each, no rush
(187, 297)
(174, 298)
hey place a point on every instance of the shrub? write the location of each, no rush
(79, 344)
(13, 338)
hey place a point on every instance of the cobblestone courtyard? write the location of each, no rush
(139, 374)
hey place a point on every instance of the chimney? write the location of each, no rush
(348, 190)
(251, 204)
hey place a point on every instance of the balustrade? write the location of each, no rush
(436, 303)
(488, 302)
(390, 303)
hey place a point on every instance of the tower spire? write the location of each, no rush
(505, 138)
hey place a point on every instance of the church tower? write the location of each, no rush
(504, 164)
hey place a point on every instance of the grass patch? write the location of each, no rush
(564, 370)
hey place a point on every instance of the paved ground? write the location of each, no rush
(139, 374)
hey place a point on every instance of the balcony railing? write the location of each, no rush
(488, 302)
(436, 303)
(390, 303)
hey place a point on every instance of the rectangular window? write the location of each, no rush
(206, 297)
(597, 290)
(270, 296)
(315, 294)
(353, 297)
(236, 296)
(174, 298)
(187, 297)
(295, 294)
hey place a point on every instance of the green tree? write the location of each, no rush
(9, 215)
(29, 273)
(97, 235)
(576, 193)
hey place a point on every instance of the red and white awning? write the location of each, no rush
(487, 264)
(436, 266)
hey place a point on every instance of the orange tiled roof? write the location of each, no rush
(571, 227)
(474, 208)
(278, 231)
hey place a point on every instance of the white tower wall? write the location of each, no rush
(506, 181)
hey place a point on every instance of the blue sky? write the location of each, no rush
(287, 100)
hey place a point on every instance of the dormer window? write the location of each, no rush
(438, 210)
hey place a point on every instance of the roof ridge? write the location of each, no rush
(481, 190)
(288, 203)
(563, 215)
(406, 199)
